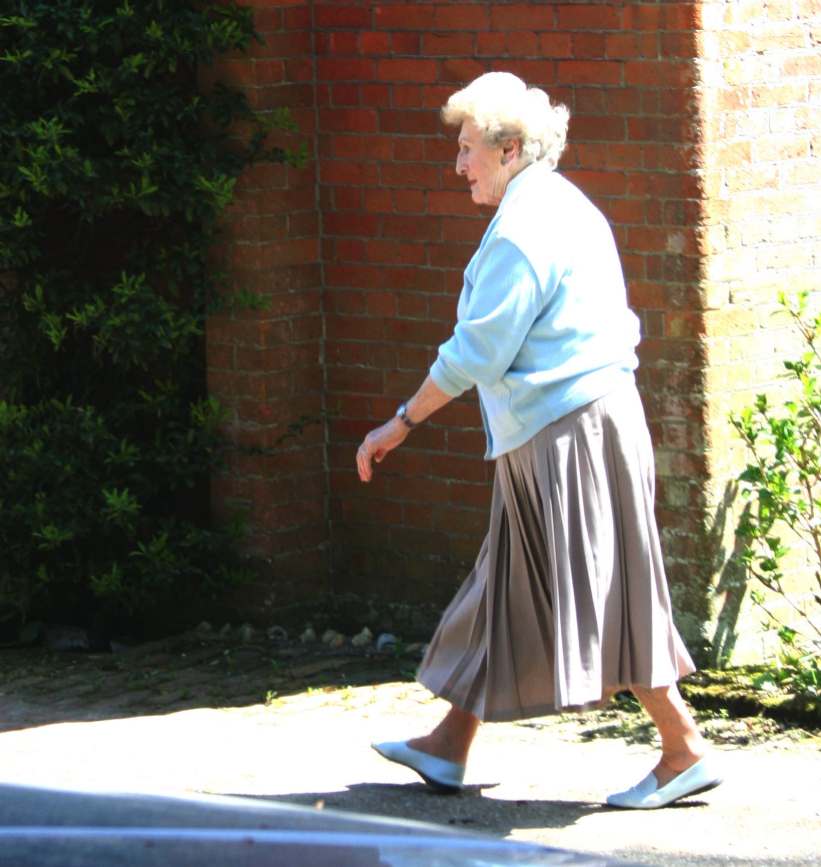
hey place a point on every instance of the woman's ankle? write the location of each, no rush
(435, 744)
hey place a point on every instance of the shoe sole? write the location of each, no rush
(705, 788)
(434, 785)
(439, 788)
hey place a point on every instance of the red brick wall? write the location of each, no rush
(691, 128)
(265, 364)
(399, 226)
(761, 109)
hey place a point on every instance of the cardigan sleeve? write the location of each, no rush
(503, 304)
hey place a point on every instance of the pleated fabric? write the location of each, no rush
(568, 597)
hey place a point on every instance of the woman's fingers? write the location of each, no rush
(375, 447)
(363, 464)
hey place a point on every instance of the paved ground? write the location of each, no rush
(540, 780)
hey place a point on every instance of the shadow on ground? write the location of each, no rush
(39, 686)
(210, 670)
(469, 810)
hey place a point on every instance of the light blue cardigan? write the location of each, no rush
(543, 325)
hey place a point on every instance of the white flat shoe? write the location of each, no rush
(646, 795)
(439, 774)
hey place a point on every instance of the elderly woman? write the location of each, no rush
(567, 602)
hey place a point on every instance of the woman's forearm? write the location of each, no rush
(427, 400)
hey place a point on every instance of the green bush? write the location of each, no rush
(115, 166)
(782, 483)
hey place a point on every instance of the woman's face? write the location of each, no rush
(487, 168)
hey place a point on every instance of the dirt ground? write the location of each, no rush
(286, 721)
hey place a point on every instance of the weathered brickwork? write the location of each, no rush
(760, 107)
(692, 127)
(399, 226)
(265, 364)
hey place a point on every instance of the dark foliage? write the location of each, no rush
(114, 168)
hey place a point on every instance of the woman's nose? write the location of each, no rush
(460, 166)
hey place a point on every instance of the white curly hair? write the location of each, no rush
(505, 108)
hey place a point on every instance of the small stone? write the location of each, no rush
(417, 649)
(308, 635)
(225, 632)
(246, 633)
(66, 638)
(333, 638)
(277, 633)
(204, 627)
(362, 639)
(386, 641)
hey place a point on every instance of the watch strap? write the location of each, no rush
(402, 414)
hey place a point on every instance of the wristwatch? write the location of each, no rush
(402, 414)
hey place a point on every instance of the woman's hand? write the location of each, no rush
(377, 444)
(382, 440)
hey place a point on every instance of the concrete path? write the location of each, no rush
(538, 780)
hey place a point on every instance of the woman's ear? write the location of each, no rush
(511, 150)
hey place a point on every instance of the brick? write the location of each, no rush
(680, 16)
(537, 73)
(594, 17)
(343, 172)
(374, 42)
(407, 69)
(555, 44)
(395, 226)
(351, 224)
(451, 203)
(407, 96)
(408, 122)
(347, 198)
(404, 17)
(588, 45)
(461, 71)
(448, 44)
(412, 304)
(490, 43)
(406, 201)
(296, 17)
(590, 71)
(641, 16)
(345, 68)
(631, 45)
(340, 42)
(378, 201)
(664, 74)
(395, 252)
(450, 256)
(461, 16)
(408, 150)
(405, 43)
(356, 379)
(360, 120)
(415, 331)
(362, 147)
(602, 128)
(344, 94)
(327, 16)
(521, 16)
(375, 94)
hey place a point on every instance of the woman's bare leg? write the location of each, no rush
(451, 739)
(681, 742)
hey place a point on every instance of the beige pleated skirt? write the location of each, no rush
(568, 598)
